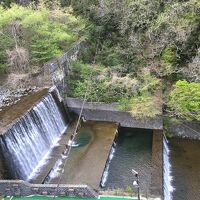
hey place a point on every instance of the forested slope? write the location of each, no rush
(142, 54)
(146, 47)
(32, 35)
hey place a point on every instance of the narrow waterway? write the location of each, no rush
(132, 151)
(185, 161)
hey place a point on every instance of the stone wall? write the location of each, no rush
(184, 129)
(110, 113)
(21, 188)
(55, 70)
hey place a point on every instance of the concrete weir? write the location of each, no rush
(86, 164)
(99, 111)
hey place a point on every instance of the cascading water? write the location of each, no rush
(106, 170)
(57, 169)
(27, 143)
(168, 188)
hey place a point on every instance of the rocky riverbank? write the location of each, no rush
(15, 86)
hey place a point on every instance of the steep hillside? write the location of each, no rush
(29, 37)
(142, 54)
(144, 47)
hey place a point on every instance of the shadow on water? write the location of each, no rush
(185, 168)
(133, 151)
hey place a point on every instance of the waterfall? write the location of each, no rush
(29, 141)
(106, 170)
(168, 188)
(57, 169)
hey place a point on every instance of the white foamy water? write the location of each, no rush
(106, 170)
(27, 144)
(168, 188)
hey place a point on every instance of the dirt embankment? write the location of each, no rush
(14, 86)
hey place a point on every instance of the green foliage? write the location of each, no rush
(169, 56)
(45, 33)
(81, 6)
(7, 3)
(129, 190)
(144, 106)
(149, 84)
(109, 57)
(6, 43)
(118, 192)
(151, 40)
(169, 60)
(134, 44)
(103, 85)
(185, 100)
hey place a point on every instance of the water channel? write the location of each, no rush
(88, 156)
(132, 151)
(185, 162)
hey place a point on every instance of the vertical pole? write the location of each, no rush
(138, 186)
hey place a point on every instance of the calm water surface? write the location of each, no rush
(133, 151)
(185, 159)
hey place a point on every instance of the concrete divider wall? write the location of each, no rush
(110, 113)
(156, 186)
(22, 188)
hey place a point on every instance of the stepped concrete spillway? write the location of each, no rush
(10, 114)
(29, 139)
(55, 155)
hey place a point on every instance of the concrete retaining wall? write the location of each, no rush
(21, 188)
(55, 70)
(184, 129)
(110, 113)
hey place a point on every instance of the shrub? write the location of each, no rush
(184, 100)
(142, 106)
(129, 190)
(7, 43)
(104, 85)
(169, 56)
(44, 33)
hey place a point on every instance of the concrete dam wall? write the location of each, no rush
(110, 113)
(26, 143)
(29, 139)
